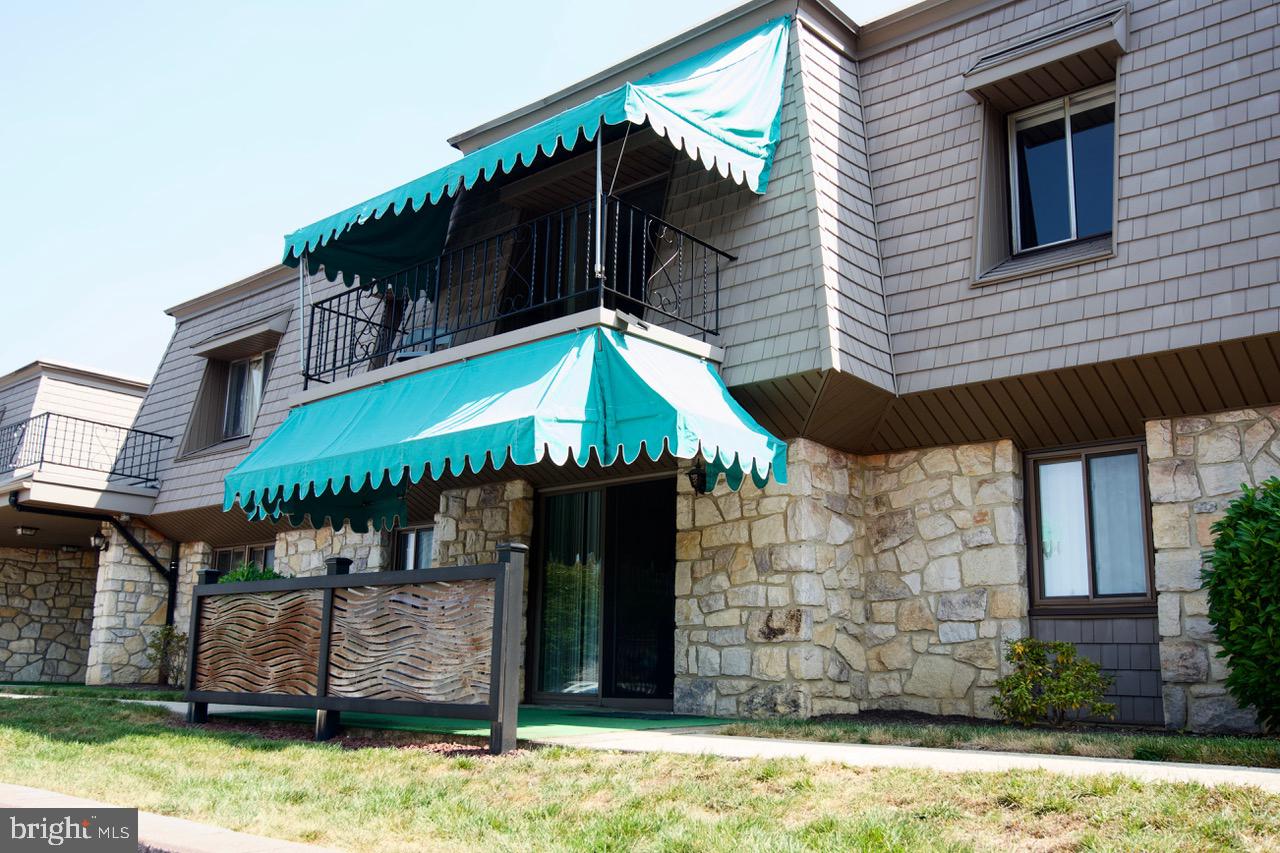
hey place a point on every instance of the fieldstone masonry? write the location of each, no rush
(766, 580)
(301, 552)
(473, 522)
(877, 581)
(46, 610)
(129, 603)
(883, 581)
(192, 558)
(1196, 466)
(945, 575)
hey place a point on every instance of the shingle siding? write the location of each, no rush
(17, 401)
(860, 255)
(1197, 233)
(845, 216)
(196, 479)
(769, 297)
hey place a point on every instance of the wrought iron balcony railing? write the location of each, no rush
(62, 441)
(537, 271)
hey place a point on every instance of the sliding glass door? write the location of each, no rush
(569, 645)
(606, 599)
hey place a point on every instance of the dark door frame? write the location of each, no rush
(533, 617)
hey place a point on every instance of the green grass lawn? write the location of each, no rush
(31, 688)
(1243, 751)
(402, 795)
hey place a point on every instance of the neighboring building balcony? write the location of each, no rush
(540, 270)
(63, 460)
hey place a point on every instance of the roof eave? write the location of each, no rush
(272, 275)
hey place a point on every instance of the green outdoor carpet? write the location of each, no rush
(534, 723)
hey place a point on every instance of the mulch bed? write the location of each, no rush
(443, 745)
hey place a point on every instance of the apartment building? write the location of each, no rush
(69, 462)
(813, 361)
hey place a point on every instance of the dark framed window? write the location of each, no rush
(1061, 169)
(262, 556)
(413, 548)
(1088, 519)
(246, 380)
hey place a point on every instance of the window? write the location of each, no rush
(1061, 159)
(1088, 518)
(262, 556)
(246, 380)
(413, 548)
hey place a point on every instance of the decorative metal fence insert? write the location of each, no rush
(441, 642)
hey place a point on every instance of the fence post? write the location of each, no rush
(502, 731)
(328, 723)
(197, 712)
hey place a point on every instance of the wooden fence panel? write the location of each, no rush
(266, 642)
(437, 642)
(422, 642)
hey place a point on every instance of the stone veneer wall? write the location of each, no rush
(878, 581)
(946, 576)
(192, 558)
(46, 611)
(301, 552)
(473, 522)
(766, 581)
(129, 603)
(1196, 466)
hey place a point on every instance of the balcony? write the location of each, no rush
(540, 270)
(51, 442)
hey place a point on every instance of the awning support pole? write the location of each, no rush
(302, 320)
(600, 210)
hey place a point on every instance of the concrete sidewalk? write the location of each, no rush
(157, 832)
(697, 742)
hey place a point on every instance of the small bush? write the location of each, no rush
(167, 652)
(1243, 581)
(1049, 681)
(249, 572)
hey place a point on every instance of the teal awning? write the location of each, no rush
(723, 107)
(593, 392)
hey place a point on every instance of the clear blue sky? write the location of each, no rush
(150, 152)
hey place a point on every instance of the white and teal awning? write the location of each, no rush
(722, 107)
(595, 394)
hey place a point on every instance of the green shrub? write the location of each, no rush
(167, 652)
(249, 572)
(1048, 682)
(1243, 580)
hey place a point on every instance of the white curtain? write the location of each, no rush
(1062, 528)
(1115, 500)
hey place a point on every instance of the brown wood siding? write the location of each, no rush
(1091, 402)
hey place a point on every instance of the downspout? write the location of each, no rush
(169, 573)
